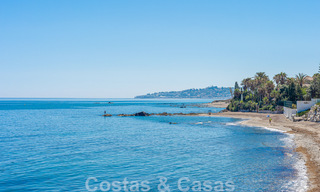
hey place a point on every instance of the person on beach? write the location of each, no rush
(270, 120)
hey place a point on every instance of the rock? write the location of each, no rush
(314, 114)
(124, 115)
(141, 114)
(164, 114)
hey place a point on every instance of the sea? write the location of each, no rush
(67, 145)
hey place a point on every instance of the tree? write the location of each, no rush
(261, 78)
(275, 94)
(290, 80)
(261, 92)
(246, 83)
(252, 85)
(236, 85)
(299, 92)
(269, 87)
(301, 78)
(280, 78)
(237, 94)
(231, 92)
(314, 89)
(292, 91)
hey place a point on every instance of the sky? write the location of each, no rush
(120, 49)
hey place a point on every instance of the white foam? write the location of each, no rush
(275, 130)
(300, 182)
(232, 123)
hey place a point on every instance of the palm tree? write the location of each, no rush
(261, 78)
(301, 78)
(280, 78)
(246, 83)
(252, 85)
(269, 87)
(261, 92)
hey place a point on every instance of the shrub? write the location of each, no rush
(303, 113)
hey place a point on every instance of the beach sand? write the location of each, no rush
(306, 137)
(218, 104)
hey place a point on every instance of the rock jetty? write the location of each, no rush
(144, 114)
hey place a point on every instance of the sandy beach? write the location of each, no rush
(306, 137)
(218, 104)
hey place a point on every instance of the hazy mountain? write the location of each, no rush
(204, 93)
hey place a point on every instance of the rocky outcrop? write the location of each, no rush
(142, 114)
(314, 114)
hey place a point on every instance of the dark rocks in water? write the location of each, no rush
(180, 114)
(107, 115)
(191, 114)
(142, 113)
(124, 115)
(164, 114)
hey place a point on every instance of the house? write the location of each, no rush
(301, 106)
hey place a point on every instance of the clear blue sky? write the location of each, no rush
(126, 48)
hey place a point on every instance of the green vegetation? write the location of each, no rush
(262, 93)
(303, 113)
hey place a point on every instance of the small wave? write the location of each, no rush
(201, 123)
(273, 129)
(300, 182)
(237, 123)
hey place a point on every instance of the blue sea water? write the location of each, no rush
(57, 144)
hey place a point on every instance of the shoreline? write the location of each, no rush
(306, 137)
(217, 104)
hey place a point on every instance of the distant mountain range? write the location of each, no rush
(204, 93)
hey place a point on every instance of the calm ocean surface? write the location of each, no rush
(57, 144)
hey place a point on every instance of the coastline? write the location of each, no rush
(217, 104)
(306, 138)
